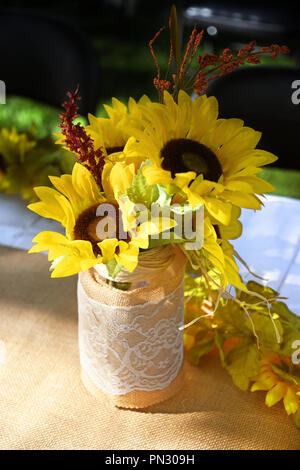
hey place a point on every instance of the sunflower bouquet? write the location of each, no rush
(157, 189)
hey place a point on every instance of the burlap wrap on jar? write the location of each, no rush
(131, 347)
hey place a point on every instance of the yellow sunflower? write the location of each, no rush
(276, 378)
(212, 161)
(14, 148)
(112, 133)
(76, 203)
(97, 231)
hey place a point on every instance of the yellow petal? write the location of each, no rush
(53, 242)
(256, 157)
(225, 130)
(170, 104)
(244, 141)
(121, 177)
(204, 117)
(194, 198)
(184, 114)
(66, 267)
(220, 267)
(82, 249)
(234, 229)
(290, 401)
(117, 108)
(140, 242)
(203, 187)
(50, 237)
(248, 201)
(259, 386)
(275, 394)
(108, 248)
(265, 380)
(85, 185)
(156, 175)
(183, 179)
(65, 186)
(107, 187)
(220, 210)
(238, 185)
(55, 206)
(215, 249)
(232, 273)
(128, 256)
(86, 264)
(257, 185)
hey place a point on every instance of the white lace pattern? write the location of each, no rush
(131, 348)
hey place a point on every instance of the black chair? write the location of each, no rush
(262, 97)
(43, 57)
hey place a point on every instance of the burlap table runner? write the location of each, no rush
(44, 405)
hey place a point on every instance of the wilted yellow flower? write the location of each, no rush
(277, 378)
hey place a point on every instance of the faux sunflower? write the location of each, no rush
(26, 161)
(112, 133)
(79, 206)
(203, 160)
(211, 161)
(281, 379)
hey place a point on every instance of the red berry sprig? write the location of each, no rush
(77, 140)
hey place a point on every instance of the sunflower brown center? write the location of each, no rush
(110, 150)
(182, 155)
(87, 228)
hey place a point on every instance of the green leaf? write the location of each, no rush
(254, 286)
(173, 189)
(195, 286)
(154, 242)
(202, 347)
(113, 268)
(185, 209)
(164, 199)
(243, 363)
(232, 320)
(140, 192)
(290, 335)
(291, 374)
(265, 329)
(286, 315)
(174, 36)
(291, 327)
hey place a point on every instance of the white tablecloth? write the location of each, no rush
(270, 243)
